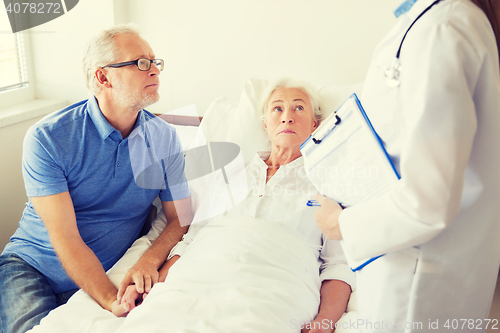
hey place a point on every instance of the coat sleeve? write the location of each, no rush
(440, 73)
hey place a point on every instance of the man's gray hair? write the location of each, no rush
(101, 51)
(290, 83)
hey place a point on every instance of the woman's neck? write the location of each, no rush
(280, 156)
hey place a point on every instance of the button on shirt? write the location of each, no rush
(77, 150)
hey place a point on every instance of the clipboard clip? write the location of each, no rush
(320, 133)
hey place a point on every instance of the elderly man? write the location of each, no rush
(85, 206)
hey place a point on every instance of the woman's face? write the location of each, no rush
(289, 118)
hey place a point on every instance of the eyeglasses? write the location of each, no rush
(142, 64)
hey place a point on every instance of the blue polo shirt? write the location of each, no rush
(77, 150)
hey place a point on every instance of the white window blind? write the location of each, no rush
(13, 73)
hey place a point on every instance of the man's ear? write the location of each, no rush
(101, 77)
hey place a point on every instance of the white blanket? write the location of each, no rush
(236, 276)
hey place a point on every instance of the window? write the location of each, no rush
(13, 73)
(15, 67)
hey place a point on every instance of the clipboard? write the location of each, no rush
(346, 161)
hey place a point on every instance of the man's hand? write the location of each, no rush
(79, 261)
(133, 297)
(145, 273)
(142, 276)
(327, 217)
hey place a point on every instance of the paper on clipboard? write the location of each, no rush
(346, 161)
(345, 158)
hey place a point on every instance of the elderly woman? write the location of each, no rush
(263, 266)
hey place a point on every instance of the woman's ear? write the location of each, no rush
(316, 123)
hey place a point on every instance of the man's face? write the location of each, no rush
(132, 88)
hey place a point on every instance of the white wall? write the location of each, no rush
(12, 194)
(210, 47)
(58, 47)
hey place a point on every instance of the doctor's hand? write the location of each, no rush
(327, 217)
(143, 275)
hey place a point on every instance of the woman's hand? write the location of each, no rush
(132, 298)
(120, 310)
(319, 325)
(327, 217)
(335, 295)
(166, 267)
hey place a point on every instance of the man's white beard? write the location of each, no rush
(137, 101)
(146, 100)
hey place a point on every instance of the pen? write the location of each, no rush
(314, 203)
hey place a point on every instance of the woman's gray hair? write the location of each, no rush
(290, 83)
(101, 51)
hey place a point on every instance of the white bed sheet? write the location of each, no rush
(178, 299)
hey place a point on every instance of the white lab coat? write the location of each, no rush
(440, 225)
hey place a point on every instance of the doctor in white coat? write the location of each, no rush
(437, 111)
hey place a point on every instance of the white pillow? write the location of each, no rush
(186, 134)
(241, 123)
(217, 119)
(247, 128)
(333, 96)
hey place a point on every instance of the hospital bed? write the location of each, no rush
(223, 121)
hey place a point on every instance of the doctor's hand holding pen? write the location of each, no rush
(327, 217)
